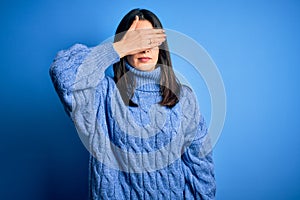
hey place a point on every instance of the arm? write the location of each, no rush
(76, 73)
(199, 169)
(79, 68)
(197, 163)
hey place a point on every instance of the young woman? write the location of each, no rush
(142, 127)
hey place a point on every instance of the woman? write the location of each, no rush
(142, 127)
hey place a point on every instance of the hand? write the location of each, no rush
(138, 40)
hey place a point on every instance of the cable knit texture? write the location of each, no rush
(117, 135)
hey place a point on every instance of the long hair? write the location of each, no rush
(169, 86)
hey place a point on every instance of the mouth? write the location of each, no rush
(144, 59)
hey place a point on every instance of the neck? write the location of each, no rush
(145, 80)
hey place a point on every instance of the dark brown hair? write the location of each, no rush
(169, 86)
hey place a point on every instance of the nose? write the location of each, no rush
(146, 51)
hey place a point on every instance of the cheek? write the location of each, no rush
(155, 55)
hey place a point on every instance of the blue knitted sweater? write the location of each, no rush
(144, 152)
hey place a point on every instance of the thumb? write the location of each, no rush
(134, 23)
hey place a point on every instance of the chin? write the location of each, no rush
(146, 67)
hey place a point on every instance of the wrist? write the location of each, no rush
(118, 46)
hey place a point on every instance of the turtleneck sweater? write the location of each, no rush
(144, 152)
(145, 80)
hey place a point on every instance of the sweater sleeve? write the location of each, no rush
(76, 74)
(198, 167)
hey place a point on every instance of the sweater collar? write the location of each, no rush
(146, 80)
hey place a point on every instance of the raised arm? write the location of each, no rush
(78, 72)
(80, 68)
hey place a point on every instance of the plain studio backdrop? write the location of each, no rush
(255, 45)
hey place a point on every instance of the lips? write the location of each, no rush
(144, 59)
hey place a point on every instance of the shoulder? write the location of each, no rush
(187, 92)
(188, 101)
(191, 110)
(187, 97)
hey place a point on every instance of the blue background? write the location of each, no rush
(255, 45)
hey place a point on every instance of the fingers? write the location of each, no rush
(156, 40)
(155, 43)
(146, 37)
(152, 38)
(151, 31)
(145, 44)
(137, 39)
(154, 35)
(134, 23)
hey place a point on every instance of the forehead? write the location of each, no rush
(144, 24)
